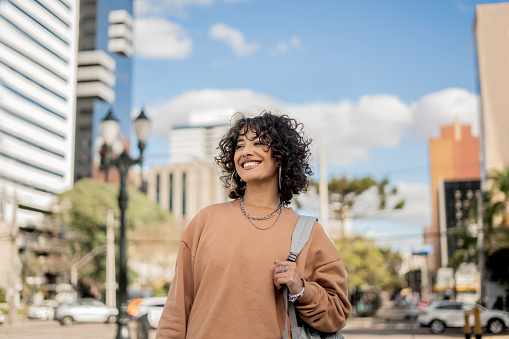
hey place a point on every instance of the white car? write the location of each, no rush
(2, 318)
(152, 307)
(45, 310)
(449, 313)
(85, 310)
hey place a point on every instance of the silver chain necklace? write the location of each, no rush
(268, 216)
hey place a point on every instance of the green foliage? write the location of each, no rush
(84, 208)
(495, 208)
(83, 212)
(2, 295)
(344, 185)
(345, 190)
(368, 264)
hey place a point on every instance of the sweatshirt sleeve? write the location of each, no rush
(324, 304)
(173, 322)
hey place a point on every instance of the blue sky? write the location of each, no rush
(373, 80)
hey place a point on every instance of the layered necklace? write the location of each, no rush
(268, 216)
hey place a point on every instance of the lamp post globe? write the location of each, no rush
(142, 127)
(109, 128)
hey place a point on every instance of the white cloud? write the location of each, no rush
(417, 210)
(233, 38)
(176, 111)
(159, 38)
(285, 46)
(399, 229)
(442, 107)
(350, 129)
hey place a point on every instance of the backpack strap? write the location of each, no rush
(300, 235)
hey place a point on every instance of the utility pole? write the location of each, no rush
(480, 248)
(110, 261)
(324, 190)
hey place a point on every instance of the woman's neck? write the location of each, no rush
(261, 196)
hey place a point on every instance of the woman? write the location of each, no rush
(232, 257)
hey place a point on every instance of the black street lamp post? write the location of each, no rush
(110, 132)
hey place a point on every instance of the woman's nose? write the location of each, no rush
(247, 150)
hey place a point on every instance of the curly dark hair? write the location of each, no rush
(288, 144)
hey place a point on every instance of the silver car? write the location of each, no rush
(85, 310)
(44, 310)
(449, 313)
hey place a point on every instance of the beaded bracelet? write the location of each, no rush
(293, 297)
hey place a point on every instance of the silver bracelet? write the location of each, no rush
(293, 297)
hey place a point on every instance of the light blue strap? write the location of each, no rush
(300, 235)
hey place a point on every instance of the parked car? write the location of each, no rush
(85, 310)
(448, 313)
(2, 318)
(412, 310)
(45, 310)
(151, 307)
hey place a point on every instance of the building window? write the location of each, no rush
(171, 192)
(158, 180)
(85, 143)
(84, 159)
(85, 128)
(184, 194)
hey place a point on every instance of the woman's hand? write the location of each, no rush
(287, 275)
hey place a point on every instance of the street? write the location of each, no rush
(357, 328)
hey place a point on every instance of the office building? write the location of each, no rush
(455, 171)
(185, 188)
(38, 61)
(104, 75)
(37, 101)
(191, 179)
(191, 144)
(491, 33)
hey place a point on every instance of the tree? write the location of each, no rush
(344, 193)
(368, 264)
(82, 211)
(495, 208)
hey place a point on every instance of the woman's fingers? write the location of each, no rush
(285, 273)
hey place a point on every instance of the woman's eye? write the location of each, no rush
(239, 146)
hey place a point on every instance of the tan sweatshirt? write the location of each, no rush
(223, 285)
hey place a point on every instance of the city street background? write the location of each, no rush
(357, 328)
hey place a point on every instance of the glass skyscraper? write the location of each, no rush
(104, 74)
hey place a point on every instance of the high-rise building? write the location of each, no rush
(491, 32)
(454, 157)
(185, 188)
(104, 75)
(38, 60)
(195, 143)
(191, 180)
(37, 100)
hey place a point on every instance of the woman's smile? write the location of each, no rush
(250, 164)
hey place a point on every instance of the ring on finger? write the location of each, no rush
(282, 268)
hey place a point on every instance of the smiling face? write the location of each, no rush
(253, 160)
